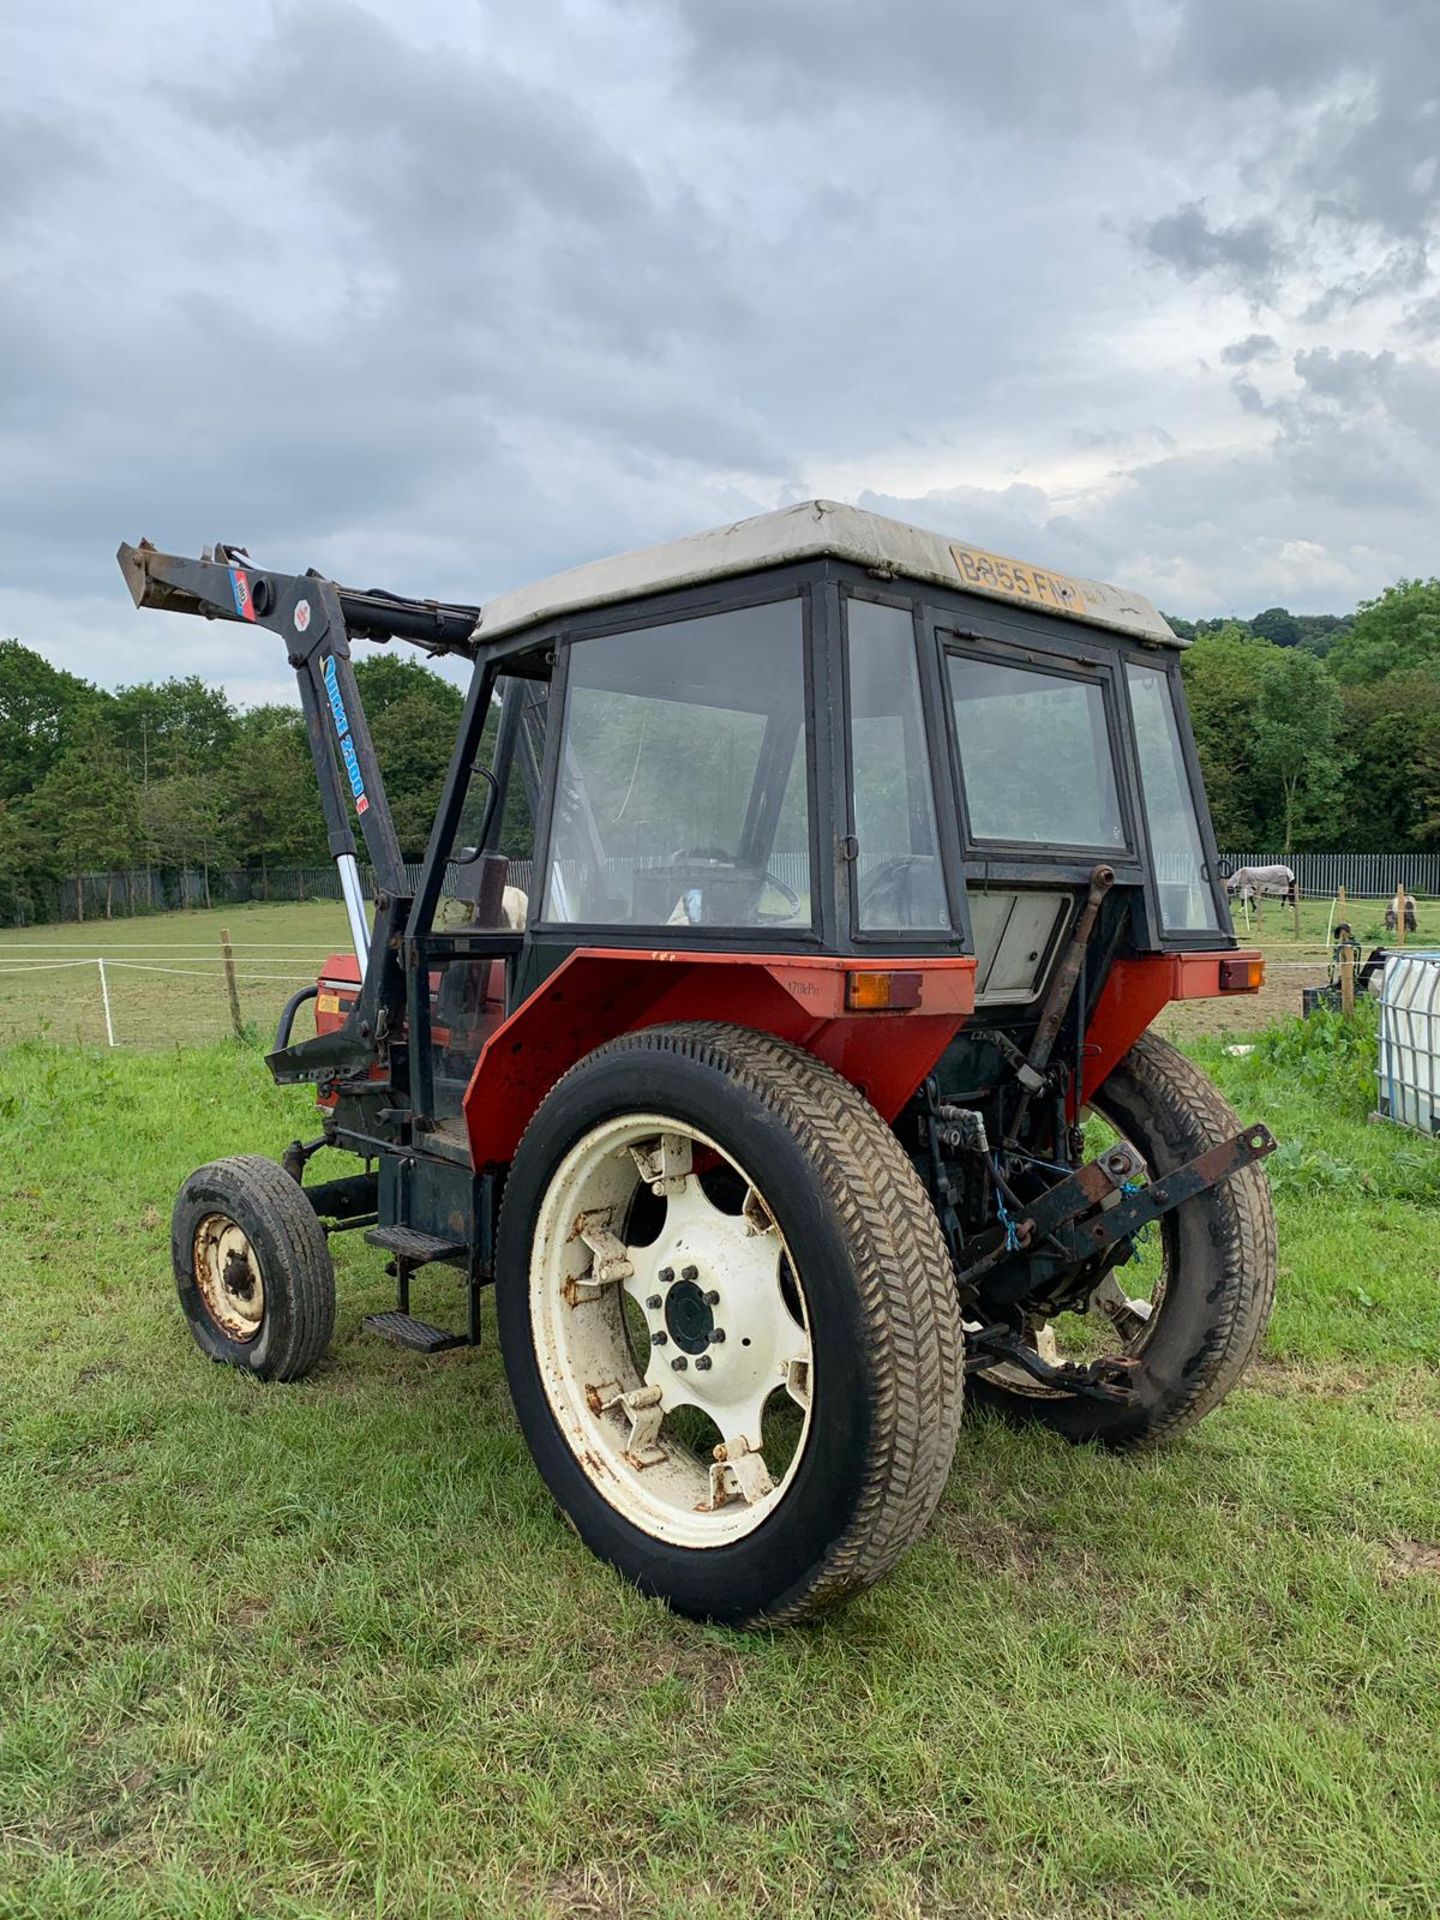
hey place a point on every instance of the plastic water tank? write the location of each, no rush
(1410, 1040)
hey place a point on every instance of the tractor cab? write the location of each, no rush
(821, 732)
(767, 1024)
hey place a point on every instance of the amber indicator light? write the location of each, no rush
(882, 992)
(1241, 976)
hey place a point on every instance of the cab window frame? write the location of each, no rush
(1222, 934)
(1103, 672)
(802, 585)
(949, 846)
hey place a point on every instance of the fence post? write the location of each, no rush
(228, 956)
(105, 1002)
(1401, 895)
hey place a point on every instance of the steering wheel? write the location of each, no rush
(898, 886)
(721, 857)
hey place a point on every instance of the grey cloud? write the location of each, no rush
(1255, 346)
(1246, 252)
(1402, 271)
(1028, 63)
(1366, 78)
(37, 159)
(449, 298)
(1423, 318)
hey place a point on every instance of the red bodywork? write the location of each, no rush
(598, 993)
(1138, 989)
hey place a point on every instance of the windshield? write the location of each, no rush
(683, 790)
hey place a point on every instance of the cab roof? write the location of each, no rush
(824, 529)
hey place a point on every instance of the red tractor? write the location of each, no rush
(767, 1024)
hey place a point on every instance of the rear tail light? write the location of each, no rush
(882, 992)
(1241, 976)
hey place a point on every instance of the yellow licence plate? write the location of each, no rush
(992, 573)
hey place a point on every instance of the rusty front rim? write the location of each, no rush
(671, 1331)
(228, 1275)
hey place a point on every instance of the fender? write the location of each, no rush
(599, 993)
(1137, 989)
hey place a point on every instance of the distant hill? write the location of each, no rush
(1316, 631)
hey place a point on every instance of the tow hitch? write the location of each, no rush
(1078, 1221)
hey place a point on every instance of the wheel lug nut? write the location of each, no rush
(712, 1299)
(679, 1363)
(659, 1339)
(704, 1363)
(667, 1274)
(690, 1273)
(653, 1302)
(717, 1334)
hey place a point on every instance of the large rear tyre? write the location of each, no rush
(1212, 1282)
(729, 1324)
(253, 1268)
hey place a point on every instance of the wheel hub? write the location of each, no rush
(229, 1278)
(689, 1317)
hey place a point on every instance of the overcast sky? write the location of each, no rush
(446, 296)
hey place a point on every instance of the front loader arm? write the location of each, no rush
(317, 620)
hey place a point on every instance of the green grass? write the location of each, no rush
(329, 1650)
(164, 973)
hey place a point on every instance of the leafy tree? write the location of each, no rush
(1297, 724)
(1389, 731)
(1320, 631)
(187, 824)
(414, 716)
(271, 801)
(387, 679)
(165, 727)
(40, 708)
(1223, 674)
(1397, 630)
(1277, 624)
(1427, 787)
(86, 813)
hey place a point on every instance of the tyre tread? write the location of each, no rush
(908, 1304)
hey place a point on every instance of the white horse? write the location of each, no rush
(1248, 882)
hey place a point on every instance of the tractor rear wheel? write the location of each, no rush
(253, 1268)
(1202, 1289)
(728, 1322)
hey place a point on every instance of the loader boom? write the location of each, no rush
(317, 621)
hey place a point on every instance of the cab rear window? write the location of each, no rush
(1035, 757)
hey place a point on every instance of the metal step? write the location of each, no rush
(412, 1245)
(406, 1331)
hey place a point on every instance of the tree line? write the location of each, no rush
(1315, 732)
(172, 775)
(1319, 732)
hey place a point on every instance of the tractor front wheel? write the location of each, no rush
(253, 1268)
(728, 1323)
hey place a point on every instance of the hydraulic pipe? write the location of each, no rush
(354, 896)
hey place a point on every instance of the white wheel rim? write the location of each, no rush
(229, 1277)
(707, 1272)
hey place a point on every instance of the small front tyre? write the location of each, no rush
(253, 1268)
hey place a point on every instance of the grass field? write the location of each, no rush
(328, 1650)
(164, 973)
(167, 984)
